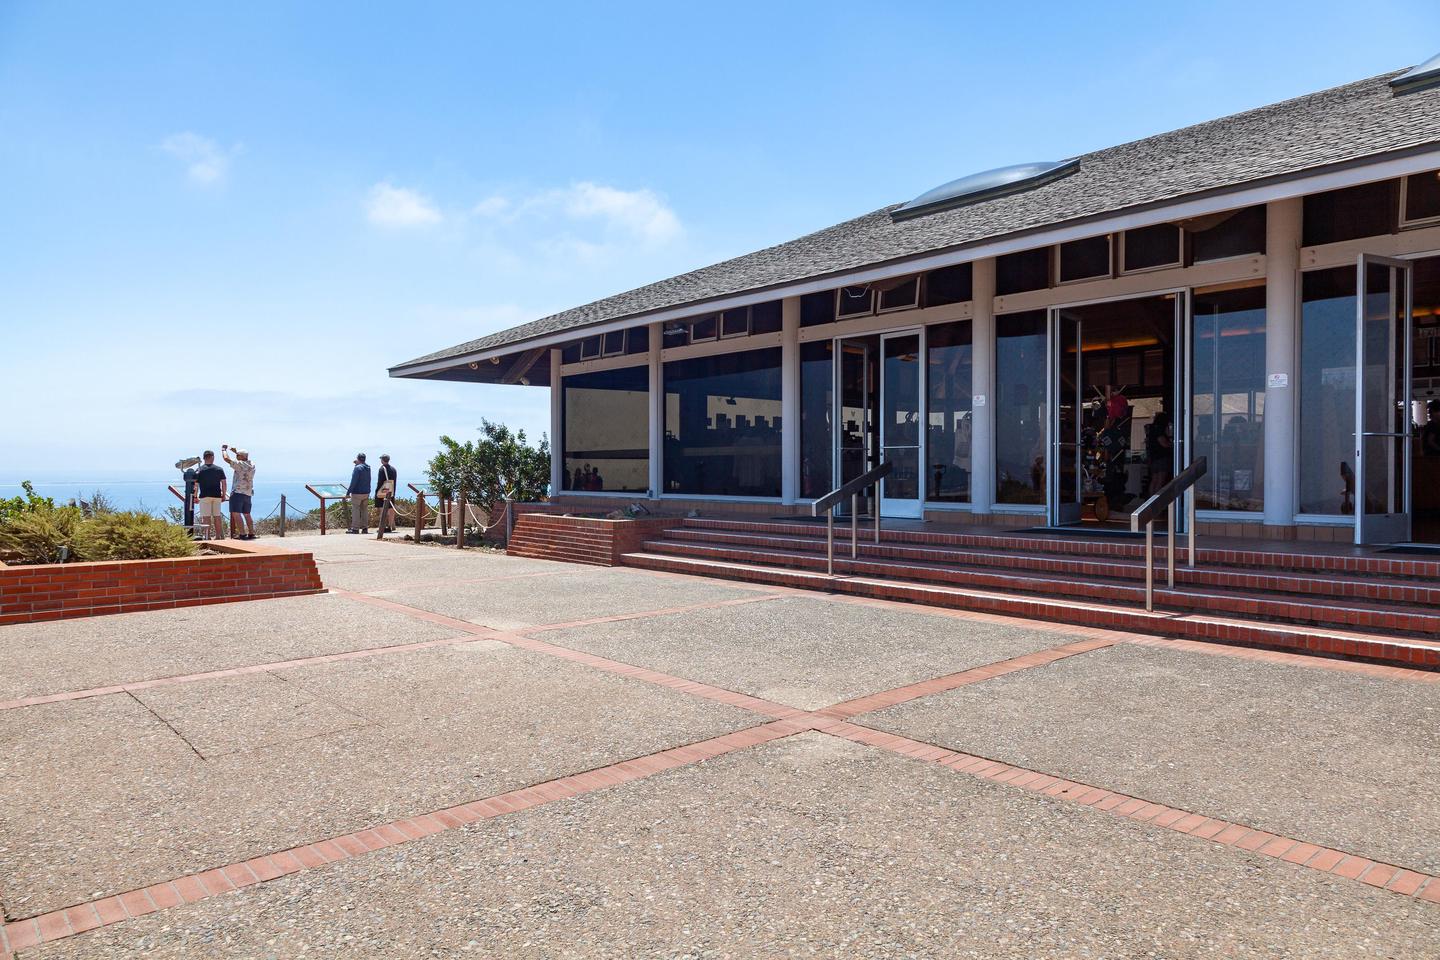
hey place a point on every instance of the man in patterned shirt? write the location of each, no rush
(240, 493)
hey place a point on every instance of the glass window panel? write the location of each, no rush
(704, 328)
(817, 308)
(1020, 407)
(735, 323)
(1327, 392)
(765, 317)
(1084, 259)
(817, 405)
(637, 340)
(570, 353)
(948, 285)
(606, 440)
(1235, 236)
(1228, 394)
(900, 413)
(613, 343)
(950, 381)
(1364, 211)
(855, 301)
(1022, 271)
(903, 295)
(1422, 196)
(1156, 246)
(589, 348)
(722, 425)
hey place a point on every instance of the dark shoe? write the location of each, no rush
(366, 530)
(352, 531)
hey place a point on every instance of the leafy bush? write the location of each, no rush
(29, 503)
(501, 465)
(41, 533)
(131, 535)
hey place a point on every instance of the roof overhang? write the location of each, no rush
(1352, 173)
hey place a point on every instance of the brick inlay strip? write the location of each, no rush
(1382, 670)
(925, 688)
(69, 921)
(1385, 876)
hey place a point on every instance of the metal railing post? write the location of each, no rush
(877, 514)
(854, 525)
(419, 515)
(830, 543)
(1171, 544)
(282, 514)
(1150, 566)
(1190, 524)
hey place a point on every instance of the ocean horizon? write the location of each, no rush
(154, 497)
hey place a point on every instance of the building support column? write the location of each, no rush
(790, 399)
(1282, 329)
(557, 426)
(982, 415)
(657, 409)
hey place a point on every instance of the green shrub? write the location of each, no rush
(29, 503)
(131, 535)
(42, 533)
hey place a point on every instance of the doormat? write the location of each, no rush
(1413, 549)
(1108, 533)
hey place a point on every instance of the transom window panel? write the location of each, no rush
(1022, 271)
(606, 439)
(1326, 463)
(722, 425)
(1020, 407)
(898, 294)
(856, 301)
(1146, 248)
(1231, 234)
(948, 419)
(1228, 398)
(1422, 198)
(1085, 259)
(1368, 210)
(949, 285)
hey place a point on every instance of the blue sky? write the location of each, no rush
(222, 223)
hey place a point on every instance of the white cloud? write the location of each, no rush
(491, 207)
(206, 162)
(390, 206)
(640, 213)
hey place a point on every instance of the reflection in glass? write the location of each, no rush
(859, 379)
(1020, 407)
(722, 425)
(817, 403)
(1228, 398)
(1327, 392)
(606, 421)
(900, 416)
(948, 413)
(1384, 385)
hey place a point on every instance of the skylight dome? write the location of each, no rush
(1425, 75)
(985, 185)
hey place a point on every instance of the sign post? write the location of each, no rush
(324, 492)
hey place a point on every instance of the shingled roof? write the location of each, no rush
(1333, 127)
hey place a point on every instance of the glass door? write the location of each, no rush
(1382, 401)
(1066, 357)
(855, 403)
(901, 423)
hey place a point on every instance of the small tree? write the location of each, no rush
(500, 465)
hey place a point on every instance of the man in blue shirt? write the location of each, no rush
(359, 493)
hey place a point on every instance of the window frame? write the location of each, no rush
(1057, 259)
(1179, 260)
(914, 304)
(1404, 196)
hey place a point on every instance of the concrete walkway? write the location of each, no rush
(462, 753)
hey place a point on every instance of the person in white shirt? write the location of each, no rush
(242, 490)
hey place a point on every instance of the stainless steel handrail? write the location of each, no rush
(1164, 499)
(853, 489)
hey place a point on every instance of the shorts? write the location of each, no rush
(209, 506)
(239, 503)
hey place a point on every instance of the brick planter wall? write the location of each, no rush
(545, 536)
(60, 591)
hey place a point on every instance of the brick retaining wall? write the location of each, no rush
(544, 536)
(60, 591)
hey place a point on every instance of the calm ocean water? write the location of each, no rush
(151, 495)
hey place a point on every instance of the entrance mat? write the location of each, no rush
(1413, 549)
(1111, 533)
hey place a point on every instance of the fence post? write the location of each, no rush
(444, 516)
(509, 521)
(419, 515)
(282, 514)
(460, 520)
(323, 511)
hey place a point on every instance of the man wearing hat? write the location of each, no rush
(359, 493)
(242, 527)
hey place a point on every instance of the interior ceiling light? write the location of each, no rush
(984, 186)
(1419, 77)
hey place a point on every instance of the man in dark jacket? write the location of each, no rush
(359, 493)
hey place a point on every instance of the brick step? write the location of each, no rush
(1210, 554)
(1276, 607)
(1329, 585)
(1387, 649)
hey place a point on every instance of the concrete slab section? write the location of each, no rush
(47, 658)
(410, 566)
(103, 795)
(584, 594)
(803, 848)
(1337, 759)
(804, 652)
